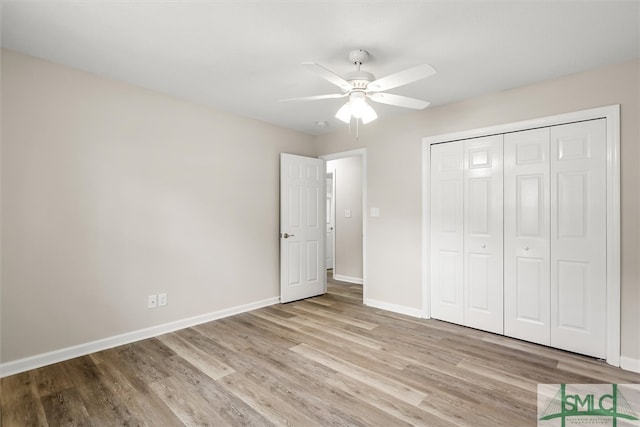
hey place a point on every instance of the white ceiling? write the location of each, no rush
(243, 57)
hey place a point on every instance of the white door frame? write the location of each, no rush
(612, 114)
(362, 153)
(331, 219)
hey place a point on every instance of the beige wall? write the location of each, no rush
(348, 231)
(111, 193)
(394, 164)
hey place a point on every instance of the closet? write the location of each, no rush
(518, 235)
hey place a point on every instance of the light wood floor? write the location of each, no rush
(324, 361)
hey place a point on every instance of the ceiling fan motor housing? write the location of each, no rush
(359, 78)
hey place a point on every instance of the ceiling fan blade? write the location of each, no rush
(399, 101)
(314, 98)
(401, 78)
(329, 76)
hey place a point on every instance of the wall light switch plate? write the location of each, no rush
(375, 211)
(162, 299)
(347, 213)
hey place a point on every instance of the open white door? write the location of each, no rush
(302, 227)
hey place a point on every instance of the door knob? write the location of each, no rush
(483, 246)
(287, 235)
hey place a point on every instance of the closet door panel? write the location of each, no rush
(531, 305)
(447, 232)
(578, 237)
(483, 293)
(479, 282)
(526, 235)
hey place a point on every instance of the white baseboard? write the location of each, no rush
(40, 360)
(630, 364)
(400, 309)
(348, 279)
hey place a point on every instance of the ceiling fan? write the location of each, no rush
(361, 85)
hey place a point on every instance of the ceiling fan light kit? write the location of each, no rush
(360, 85)
(358, 108)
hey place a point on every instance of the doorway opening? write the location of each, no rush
(346, 217)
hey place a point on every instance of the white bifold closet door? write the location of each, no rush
(526, 236)
(483, 290)
(555, 236)
(518, 238)
(578, 237)
(466, 238)
(447, 238)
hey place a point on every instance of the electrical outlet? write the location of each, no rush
(162, 299)
(152, 301)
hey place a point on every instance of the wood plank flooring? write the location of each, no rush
(324, 361)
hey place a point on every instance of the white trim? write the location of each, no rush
(612, 114)
(348, 279)
(611, 111)
(40, 360)
(613, 235)
(401, 309)
(630, 364)
(333, 220)
(362, 152)
(426, 230)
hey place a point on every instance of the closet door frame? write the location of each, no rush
(612, 114)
